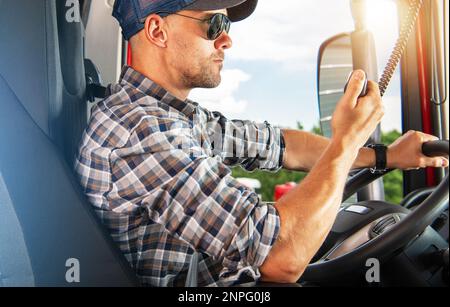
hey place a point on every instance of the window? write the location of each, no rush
(270, 73)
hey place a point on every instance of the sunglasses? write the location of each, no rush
(218, 23)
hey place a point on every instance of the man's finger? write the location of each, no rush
(436, 162)
(373, 89)
(429, 138)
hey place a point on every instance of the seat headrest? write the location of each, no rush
(42, 60)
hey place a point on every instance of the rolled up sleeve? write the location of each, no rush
(249, 144)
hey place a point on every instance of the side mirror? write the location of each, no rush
(338, 57)
(335, 63)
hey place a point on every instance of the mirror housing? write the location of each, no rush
(338, 57)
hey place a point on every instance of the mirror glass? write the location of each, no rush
(335, 65)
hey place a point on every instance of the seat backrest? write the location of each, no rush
(45, 219)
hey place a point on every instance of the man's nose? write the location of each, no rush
(224, 41)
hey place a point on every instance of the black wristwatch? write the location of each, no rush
(381, 158)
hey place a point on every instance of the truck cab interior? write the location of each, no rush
(47, 86)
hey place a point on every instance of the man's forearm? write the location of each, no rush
(303, 149)
(308, 212)
(307, 215)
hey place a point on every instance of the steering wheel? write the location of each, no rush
(380, 245)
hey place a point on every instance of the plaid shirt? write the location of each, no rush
(155, 172)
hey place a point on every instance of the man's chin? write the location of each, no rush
(212, 83)
(205, 80)
(215, 85)
(209, 86)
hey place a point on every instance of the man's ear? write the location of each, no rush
(155, 30)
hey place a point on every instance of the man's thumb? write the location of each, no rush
(355, 85)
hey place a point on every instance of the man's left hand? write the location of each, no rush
(406, 152)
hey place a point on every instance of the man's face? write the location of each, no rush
(197, 59)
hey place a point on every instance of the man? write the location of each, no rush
(156, 165)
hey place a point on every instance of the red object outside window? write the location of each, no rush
(283, 189)
(129, 55)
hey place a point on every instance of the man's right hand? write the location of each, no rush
(308, 212)
(355, 119)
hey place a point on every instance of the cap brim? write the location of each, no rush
(237, 9)
(242, 11)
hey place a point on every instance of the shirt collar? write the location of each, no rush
(143, 84)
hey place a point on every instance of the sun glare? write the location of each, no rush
(382, 21)
(382, 15)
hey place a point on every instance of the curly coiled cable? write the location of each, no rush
(400, 46)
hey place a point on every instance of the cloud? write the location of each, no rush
(289, 34)
(223, 98)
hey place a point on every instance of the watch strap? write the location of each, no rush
(381, 158)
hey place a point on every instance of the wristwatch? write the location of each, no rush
(381, 158)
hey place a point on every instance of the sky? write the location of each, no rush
(270, 72)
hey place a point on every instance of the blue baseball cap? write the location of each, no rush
(132, 13)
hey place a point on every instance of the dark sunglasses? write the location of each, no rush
(218, 23)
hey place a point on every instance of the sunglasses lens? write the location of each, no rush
(219, 23)
(227, 26)
(215, 28)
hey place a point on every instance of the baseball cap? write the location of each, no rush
(132, 13)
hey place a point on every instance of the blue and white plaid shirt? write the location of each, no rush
(157, 171)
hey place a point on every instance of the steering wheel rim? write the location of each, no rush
(392, 239)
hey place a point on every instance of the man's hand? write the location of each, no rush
(406, 152)
(355, 119)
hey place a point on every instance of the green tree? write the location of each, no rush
(393, 182)
(389, 137)
(317, 130)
